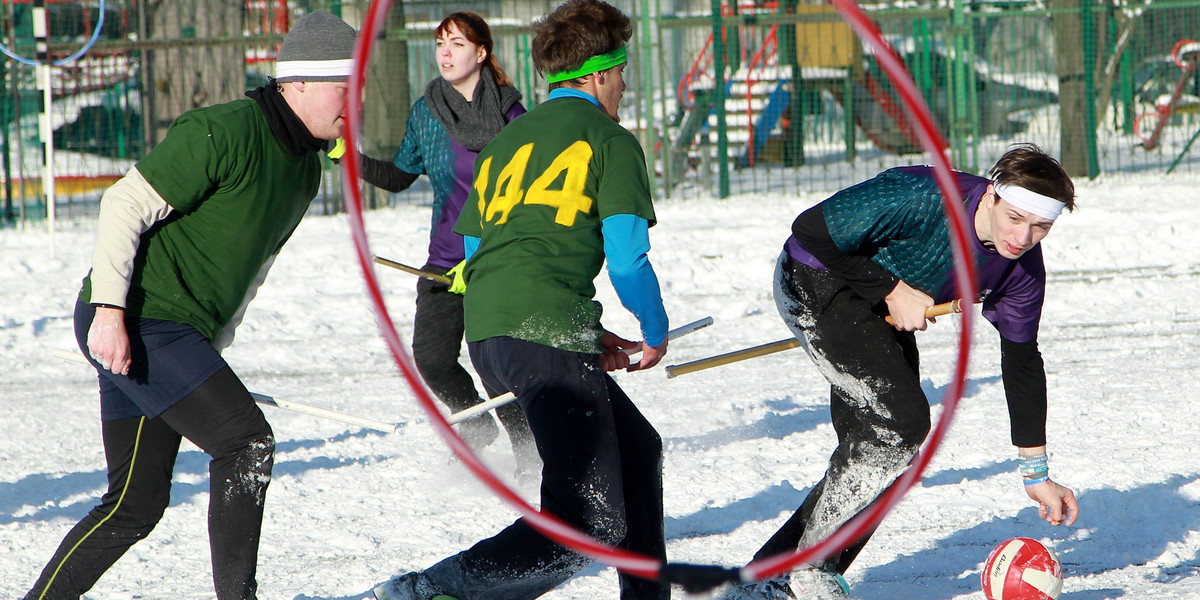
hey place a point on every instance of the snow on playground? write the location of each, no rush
(349, 507)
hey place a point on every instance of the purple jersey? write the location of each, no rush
(428, 148)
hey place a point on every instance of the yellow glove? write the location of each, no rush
(458, 283)
(338, 150)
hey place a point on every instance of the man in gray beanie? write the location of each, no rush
(182, 243)
(318, 48)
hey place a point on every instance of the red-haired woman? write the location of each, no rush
(460, 112)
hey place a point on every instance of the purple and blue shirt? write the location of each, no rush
(898, 221)
(428, 148)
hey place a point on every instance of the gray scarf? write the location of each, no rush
(472, 124)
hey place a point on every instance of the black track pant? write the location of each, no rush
(437, 343)
(878, 408)
(221, 418)
(602, 474)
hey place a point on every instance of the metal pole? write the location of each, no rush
(45, 125)
(16, 96)
(718, 46)
(665, 158)
(145, 77)
(647, 92)
(1089, 86)
(1186, 148)
(959, 85)
(6, 214)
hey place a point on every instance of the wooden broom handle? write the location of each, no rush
(937, 310)
(779, 346)
(413, 270)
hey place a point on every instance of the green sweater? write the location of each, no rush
(237, 194)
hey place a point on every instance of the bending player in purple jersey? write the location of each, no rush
(881, 248)
(559, 194)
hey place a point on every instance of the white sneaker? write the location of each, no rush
(815, 584)
(768, 589)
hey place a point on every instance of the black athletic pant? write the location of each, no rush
(602, 474)
(219, 417)
(877, 406)
(437, 343)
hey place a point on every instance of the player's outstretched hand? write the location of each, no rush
(650, 356)
(1056, 504)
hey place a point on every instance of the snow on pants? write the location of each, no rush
(877, 406)
(219, 417)
(602, 474)
(437, 343)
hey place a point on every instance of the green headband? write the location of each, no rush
(594, 64)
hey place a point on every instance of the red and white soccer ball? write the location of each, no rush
(1022, 569)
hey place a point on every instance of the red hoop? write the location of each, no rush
(550, 526)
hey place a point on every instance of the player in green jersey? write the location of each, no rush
(557, 193)
(182, 243)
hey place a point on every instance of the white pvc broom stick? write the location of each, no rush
(314, 411)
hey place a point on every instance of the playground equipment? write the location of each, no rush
(809, 66)
(105, 104)
(765, 90)
(1185, 54)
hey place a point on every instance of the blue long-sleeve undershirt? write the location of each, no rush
(626, 242)
(470, 245)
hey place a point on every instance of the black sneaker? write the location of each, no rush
(410, 586)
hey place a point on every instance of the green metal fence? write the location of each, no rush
(757, 97)
(992, 73)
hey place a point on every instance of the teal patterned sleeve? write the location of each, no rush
(893, 205)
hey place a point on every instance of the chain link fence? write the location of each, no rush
(754, 97)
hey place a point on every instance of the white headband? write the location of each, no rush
(1027, 200)
(314, 68)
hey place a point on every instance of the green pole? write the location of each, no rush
(1186, 148)
(718, 46)
(1089, 84)
(793, 145)
(972, 165)
(922, 69)
(528, 75)
(848, 124)
(959, 119)
(7, 215)
(666, 160)
(647, 91)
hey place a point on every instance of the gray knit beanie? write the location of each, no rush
(319, 47)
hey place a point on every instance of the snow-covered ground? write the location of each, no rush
(349, 507)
